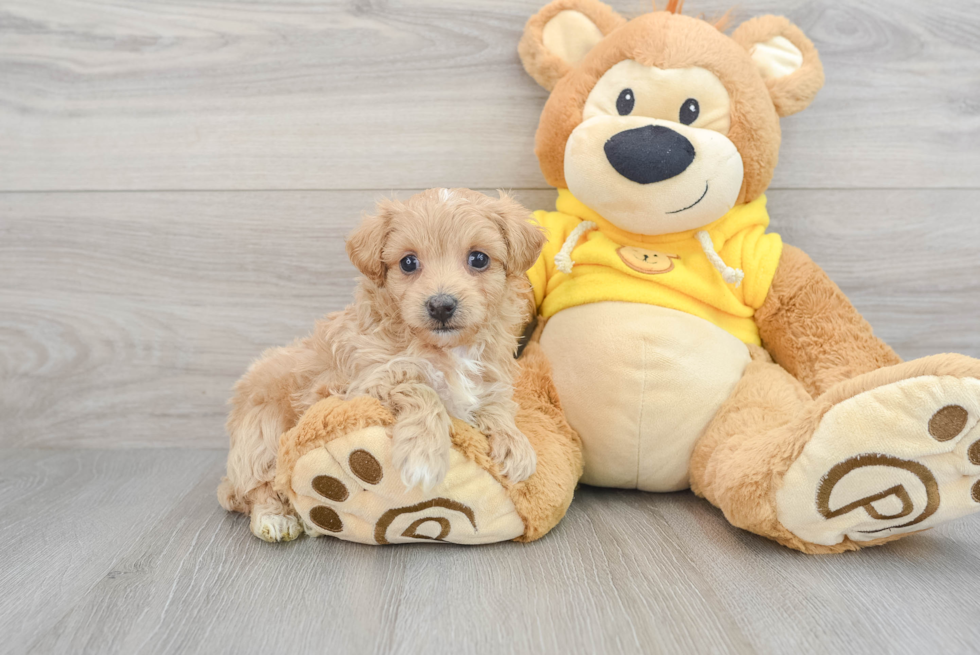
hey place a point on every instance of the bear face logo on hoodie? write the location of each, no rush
(646, 261)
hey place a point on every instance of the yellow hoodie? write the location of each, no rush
(668, 270)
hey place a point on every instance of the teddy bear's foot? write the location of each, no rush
(349, 488)
(898, 458)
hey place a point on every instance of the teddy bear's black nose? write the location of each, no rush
(441, 307)
(648, 154)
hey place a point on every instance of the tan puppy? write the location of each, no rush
(431, 334)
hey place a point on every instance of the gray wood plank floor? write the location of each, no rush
(625, 572)
(68, 517)
(175, 182)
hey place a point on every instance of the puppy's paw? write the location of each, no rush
(422, 458)
(514, 453)
(276, 527)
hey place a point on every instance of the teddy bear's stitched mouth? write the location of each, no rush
(678, 211)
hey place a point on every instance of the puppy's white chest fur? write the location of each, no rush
(459, 382)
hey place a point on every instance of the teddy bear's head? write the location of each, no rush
(663, 123)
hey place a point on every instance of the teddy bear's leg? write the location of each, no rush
(813, 331)
(886, 454)
(335, 467)
(744, 447)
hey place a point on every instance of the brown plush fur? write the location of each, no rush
(813, 331)
(328, 419)
(541, 500)
(764, 426)
(668, 40)
(386, 346)
(543, 66)
(824, 351)
(794, 92)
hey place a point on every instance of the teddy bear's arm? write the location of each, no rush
(813, 331)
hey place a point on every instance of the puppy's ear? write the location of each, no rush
(365, 244)
(523, 236)
(786, 59)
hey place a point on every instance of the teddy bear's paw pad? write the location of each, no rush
(276, 527)
(900, 458)
(350, 489)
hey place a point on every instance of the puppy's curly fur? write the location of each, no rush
(423, 365)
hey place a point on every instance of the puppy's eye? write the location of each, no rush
(625, 102)
(409, 264)
(689, 111)
(478, 260)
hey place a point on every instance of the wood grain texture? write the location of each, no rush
(67, 517)
(625, 572)
(126, 317)
(285, 94)
(200, 582)
(907, 597)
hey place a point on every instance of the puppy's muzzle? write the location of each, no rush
(441, 307)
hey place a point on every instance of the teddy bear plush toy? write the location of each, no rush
(690, 347)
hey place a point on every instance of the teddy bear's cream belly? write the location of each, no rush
(640, 384)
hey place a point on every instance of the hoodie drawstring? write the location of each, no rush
(564, 263)
(729, 274)
(563, 260)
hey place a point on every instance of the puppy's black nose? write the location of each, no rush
(441, 307)
(649, 154)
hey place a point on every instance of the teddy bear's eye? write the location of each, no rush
(689, 111)
(625, 102)
(409, 264)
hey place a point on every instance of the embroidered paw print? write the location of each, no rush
(348, 488)
(900, 458)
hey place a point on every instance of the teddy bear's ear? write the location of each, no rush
(561, 34)
(786, 59)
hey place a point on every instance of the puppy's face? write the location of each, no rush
(445, 258)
